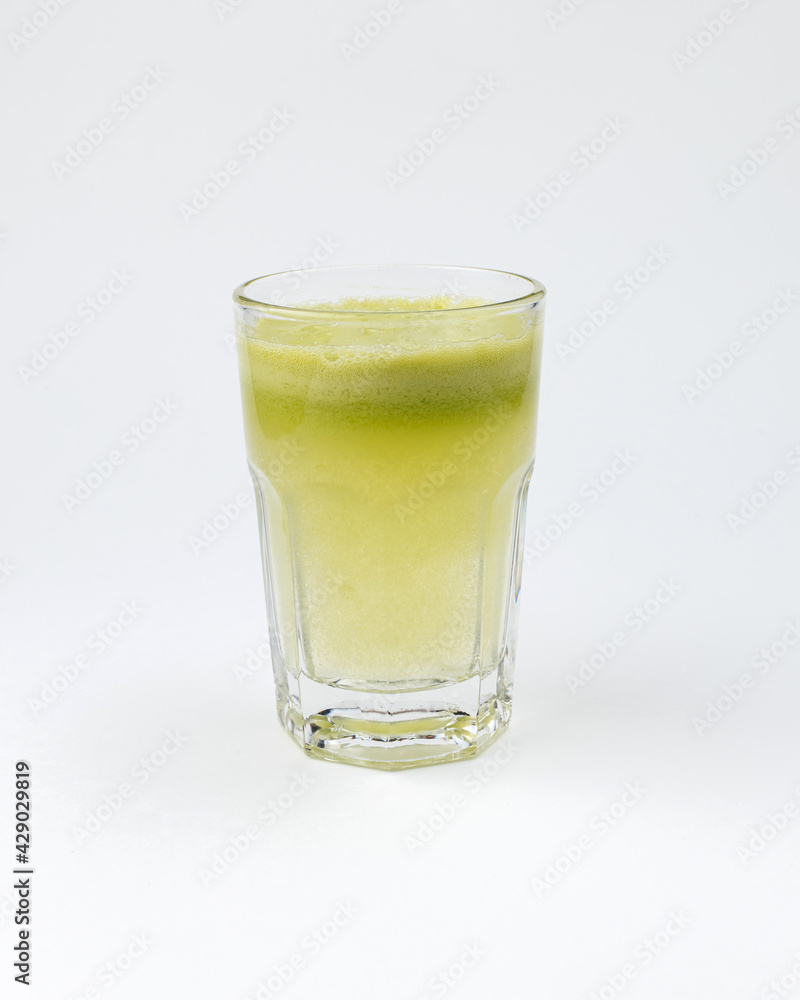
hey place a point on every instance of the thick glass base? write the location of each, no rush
(396, 729)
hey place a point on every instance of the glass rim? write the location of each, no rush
(241, 298)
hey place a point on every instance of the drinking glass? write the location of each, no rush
(390, 424)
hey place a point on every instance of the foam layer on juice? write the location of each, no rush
(388, 371)
(390, 463)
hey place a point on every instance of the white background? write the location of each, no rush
(355, 836)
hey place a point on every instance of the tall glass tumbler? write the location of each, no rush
(390, 421)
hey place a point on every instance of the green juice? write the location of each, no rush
(391, 452)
